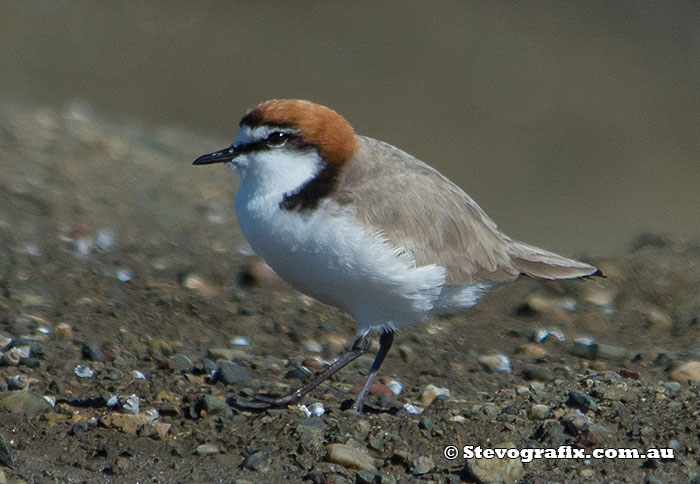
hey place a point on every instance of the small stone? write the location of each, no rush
(395, 386)
(216, 354)
(496, 471)
(581, 400)
(549, 305)
(373, 477)
(64, 330)
(256, 461)
(90, 351)
(673, 387)
(131, 404)
(196, 283)
(298, 373)
(7, 453)
(124, 274)
(20, 401)
(316, 409)
(585, 347)
(422, 465)
(496, 362)
(230, 373)
(79, 428)
(657, 319)
(539, 411)
(687, 372)
(239, 341)
(313, 346)
(82, 371)
(125, 423)
(350, 457)
(18, 382)
(137, 375)
(216, 406)
(635, 375)
(611, 352)
(412, 409)
(9, 358)
(206, 449)
(539, 374)
(431, 392)
(426, 423)
(532, 350)
(157, 430)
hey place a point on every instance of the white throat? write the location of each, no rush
(274, 172)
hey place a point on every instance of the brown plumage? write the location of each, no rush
(421, 211)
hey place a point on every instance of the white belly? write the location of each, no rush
(338, 262)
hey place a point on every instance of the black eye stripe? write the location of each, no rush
(289, 139)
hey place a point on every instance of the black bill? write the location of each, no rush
(221, 156)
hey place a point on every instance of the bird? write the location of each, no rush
(361, 225)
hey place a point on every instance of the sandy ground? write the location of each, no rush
(128, 318)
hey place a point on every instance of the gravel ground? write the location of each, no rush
(131, 311)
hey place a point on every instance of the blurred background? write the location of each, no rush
(574, 125)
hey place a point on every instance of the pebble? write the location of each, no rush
(22, 401)
(155, 430)
(8, 457)
(230, 373)
(549, 305)
(673, 386)
(256, 461)
(313, 346)
(18, 382)
(217, 354)
(612, 351)
(585, 347)
(131, 404)
(431, 392)
(104, 239)
(82, 371)
(496, 471)
(350, 457)
(206, 449)
(373, 477)
(581, 400)
(298, 373)
(395, 386)
(125, 423)
(239, 341)
(90, 351)
(422, 465)
(532, 350)
(137, 375)
(497, 362)
(539, 411)
(687, 372)
(9, 358)
(316, 409)
(124, 275)
(658, 320)
(181, 362)
(216, 406)
(413, 409)
(196, 283)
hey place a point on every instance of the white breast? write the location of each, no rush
(337, 261)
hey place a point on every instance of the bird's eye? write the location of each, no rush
(278, 138)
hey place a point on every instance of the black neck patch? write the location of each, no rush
(313, 191)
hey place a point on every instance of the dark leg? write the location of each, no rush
(385, 341)
(359, 347)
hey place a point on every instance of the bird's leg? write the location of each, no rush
(359, 347)
(385, 341)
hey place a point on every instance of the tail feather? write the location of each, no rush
(537, 262)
